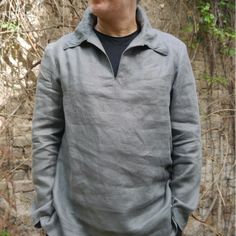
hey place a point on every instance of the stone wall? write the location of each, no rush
(218, 185)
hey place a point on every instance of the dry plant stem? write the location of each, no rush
(219, 111)
(195, 53)
(210, 209)
(6, 123)
(45, 29)
(75, 10)
(209, 130)
(213, 229)
(10, 172)
(217, 178)
(230, 226)
(30, 38)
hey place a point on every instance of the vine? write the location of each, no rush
(216, 21)
(213, 28)
(4, 233)
(209, 31)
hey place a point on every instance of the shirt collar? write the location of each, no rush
(147, 36)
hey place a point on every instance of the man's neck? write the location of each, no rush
(117, 28)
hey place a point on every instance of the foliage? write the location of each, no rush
(211, 25)
(4, 233)
(216, 21)
(211, 80)
(215, 24)
(9, 26)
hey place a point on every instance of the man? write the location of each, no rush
(116, 132)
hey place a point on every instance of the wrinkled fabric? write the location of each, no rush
(115, 156)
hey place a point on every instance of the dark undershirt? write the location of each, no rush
(115, 46)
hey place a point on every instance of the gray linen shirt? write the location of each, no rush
(115, 156)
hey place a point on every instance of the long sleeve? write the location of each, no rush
(186, 142)
(47, 131)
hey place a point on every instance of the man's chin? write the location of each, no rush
(99, 10)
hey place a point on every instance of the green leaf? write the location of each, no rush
(4, 233)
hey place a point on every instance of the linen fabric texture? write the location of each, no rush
(115, 156)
